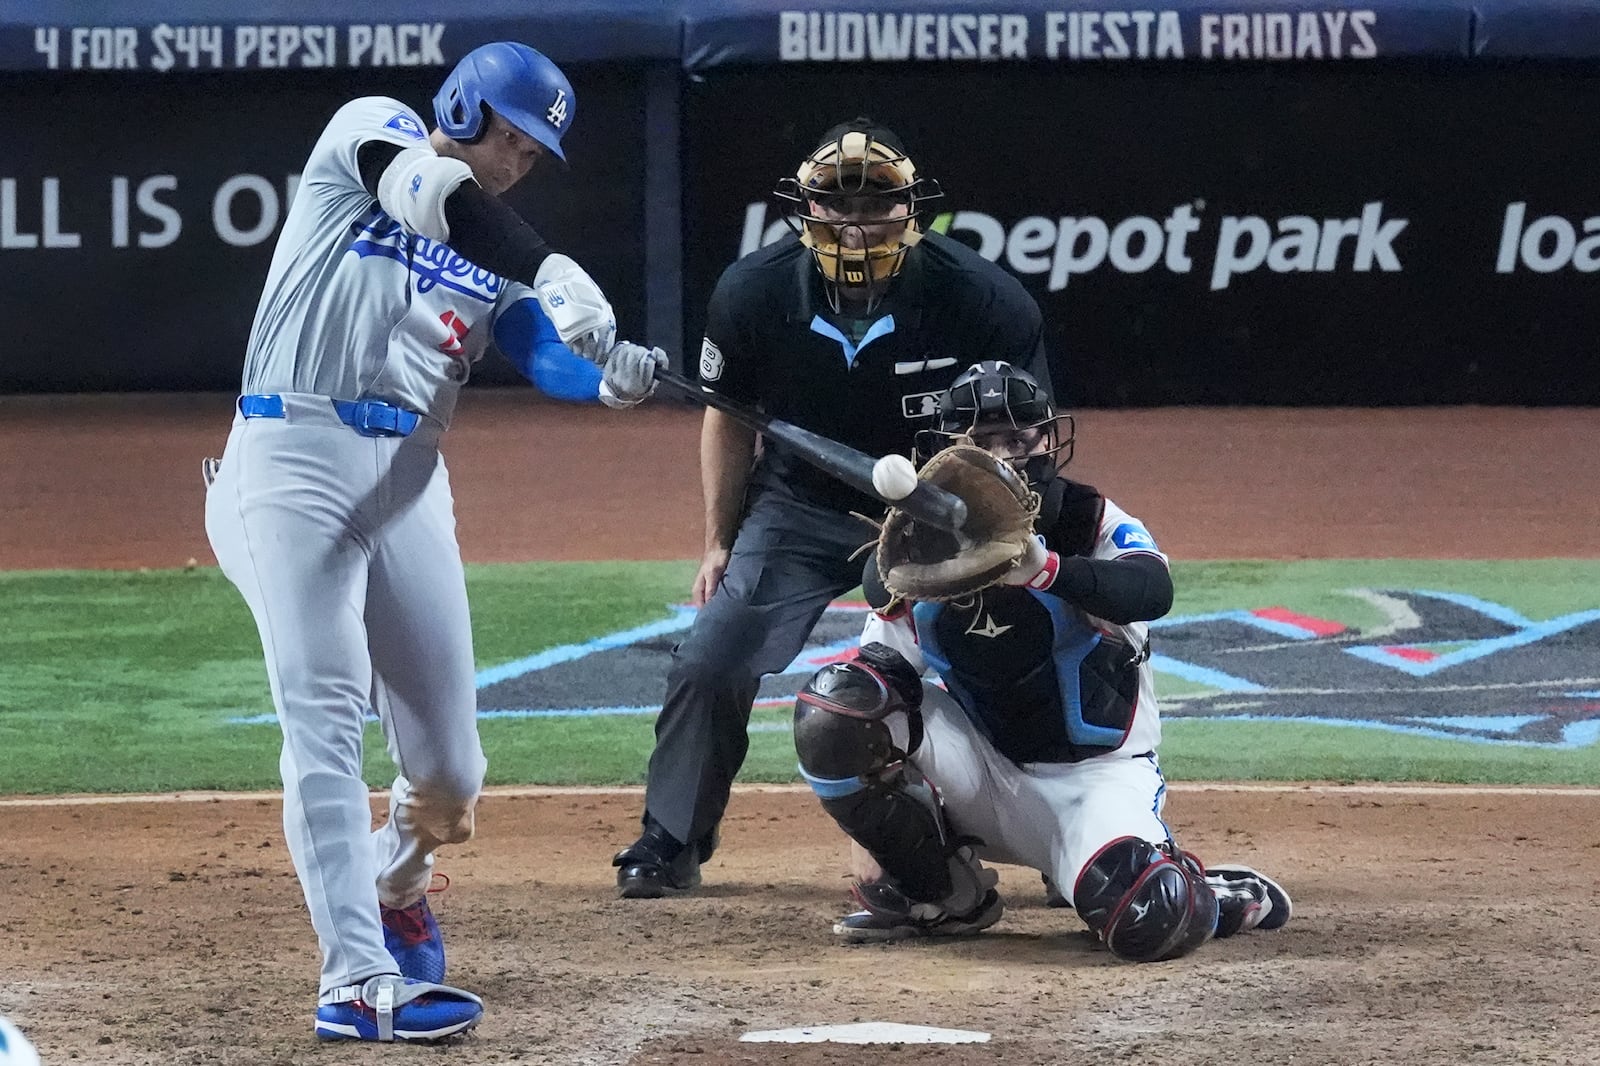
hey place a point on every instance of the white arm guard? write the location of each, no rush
(899, 633)
(413, 187)
(576, 307)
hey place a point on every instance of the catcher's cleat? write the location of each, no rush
(889, 915)
(657, 865)
(1257, 900)
(1052, 894)
(388, 1008)
(412, 936)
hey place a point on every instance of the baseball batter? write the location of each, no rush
(331, 509)
(1040, 748)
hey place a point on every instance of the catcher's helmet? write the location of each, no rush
(995, 398)
(857, 162)
(517, 83)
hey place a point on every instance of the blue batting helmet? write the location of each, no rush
(517, 83)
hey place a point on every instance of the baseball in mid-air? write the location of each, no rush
(894, 477)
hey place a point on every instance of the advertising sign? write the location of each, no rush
(1205, 235)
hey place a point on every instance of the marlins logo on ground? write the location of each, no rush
(1439, 664)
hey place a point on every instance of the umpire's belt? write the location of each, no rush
(370, 418)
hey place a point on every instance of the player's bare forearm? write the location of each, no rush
(726, 450)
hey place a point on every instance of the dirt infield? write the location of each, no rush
(1450, 926)
(1431, 926)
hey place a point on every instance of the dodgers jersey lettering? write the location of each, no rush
(355, 307)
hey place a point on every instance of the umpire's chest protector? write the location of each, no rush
(872, 383)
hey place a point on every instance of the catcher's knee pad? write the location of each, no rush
(1144, 902)
(841, 732)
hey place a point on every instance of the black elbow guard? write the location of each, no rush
(491, 235)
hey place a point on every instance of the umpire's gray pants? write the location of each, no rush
(790, 559)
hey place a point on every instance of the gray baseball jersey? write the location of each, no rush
(354, 305)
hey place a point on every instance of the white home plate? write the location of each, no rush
(868, 1033)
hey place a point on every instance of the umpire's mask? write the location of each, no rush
(855, 203)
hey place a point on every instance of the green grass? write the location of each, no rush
(1197, 750)
(123, 681)
(519, 608)
(1539, 588)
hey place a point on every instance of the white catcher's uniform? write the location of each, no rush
(344, 544)
(1052, 816)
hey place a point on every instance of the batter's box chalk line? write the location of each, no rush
(868, 1033)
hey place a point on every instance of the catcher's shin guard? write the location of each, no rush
(848, 755)
(900, 825)
(1146, 902)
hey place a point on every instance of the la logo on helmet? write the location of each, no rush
(557, 115)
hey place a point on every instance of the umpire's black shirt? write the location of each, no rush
(773, 341)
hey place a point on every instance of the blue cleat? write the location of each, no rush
(412, 936)
(389, 1009)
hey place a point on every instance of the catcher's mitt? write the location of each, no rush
(921, 562)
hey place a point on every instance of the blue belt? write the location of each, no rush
(370, 418)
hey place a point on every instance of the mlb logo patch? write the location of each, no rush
(710, 361)
(920, 405)
(406, 125)
(1133, 535)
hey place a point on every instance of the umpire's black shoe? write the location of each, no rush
(656, 865)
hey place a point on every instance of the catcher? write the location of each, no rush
(1040, 749)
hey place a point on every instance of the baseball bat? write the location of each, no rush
(927, 503)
